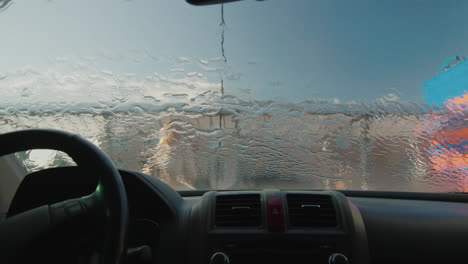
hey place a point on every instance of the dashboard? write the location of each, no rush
(271, 225)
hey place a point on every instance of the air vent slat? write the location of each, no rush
(239, 210)
(311, 210)
(237, 216)
(238, 204)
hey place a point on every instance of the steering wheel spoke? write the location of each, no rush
(77, 209)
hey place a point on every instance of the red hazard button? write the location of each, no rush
(275, 214)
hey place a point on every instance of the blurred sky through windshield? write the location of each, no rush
(349, 50)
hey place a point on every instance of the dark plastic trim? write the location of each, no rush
(449, 197)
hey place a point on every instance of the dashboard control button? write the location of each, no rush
(219, 258)
(337, 258)
(275, 214)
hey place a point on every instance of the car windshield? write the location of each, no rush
(361, 95)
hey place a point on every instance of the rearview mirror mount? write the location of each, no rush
(208, 2)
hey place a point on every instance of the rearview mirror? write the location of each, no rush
(209, 2)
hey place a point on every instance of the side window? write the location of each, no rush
(39, 159)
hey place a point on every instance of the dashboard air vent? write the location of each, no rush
(240, 210)
(311, 210)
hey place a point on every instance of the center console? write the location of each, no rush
(273, 226)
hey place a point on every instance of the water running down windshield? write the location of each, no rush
(233, 118)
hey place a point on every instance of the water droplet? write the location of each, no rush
(5, 4)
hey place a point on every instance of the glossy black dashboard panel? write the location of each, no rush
(415, 231)
(373, 227)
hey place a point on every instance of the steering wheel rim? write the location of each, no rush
(110, 191)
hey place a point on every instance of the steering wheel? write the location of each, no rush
(109, 200)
